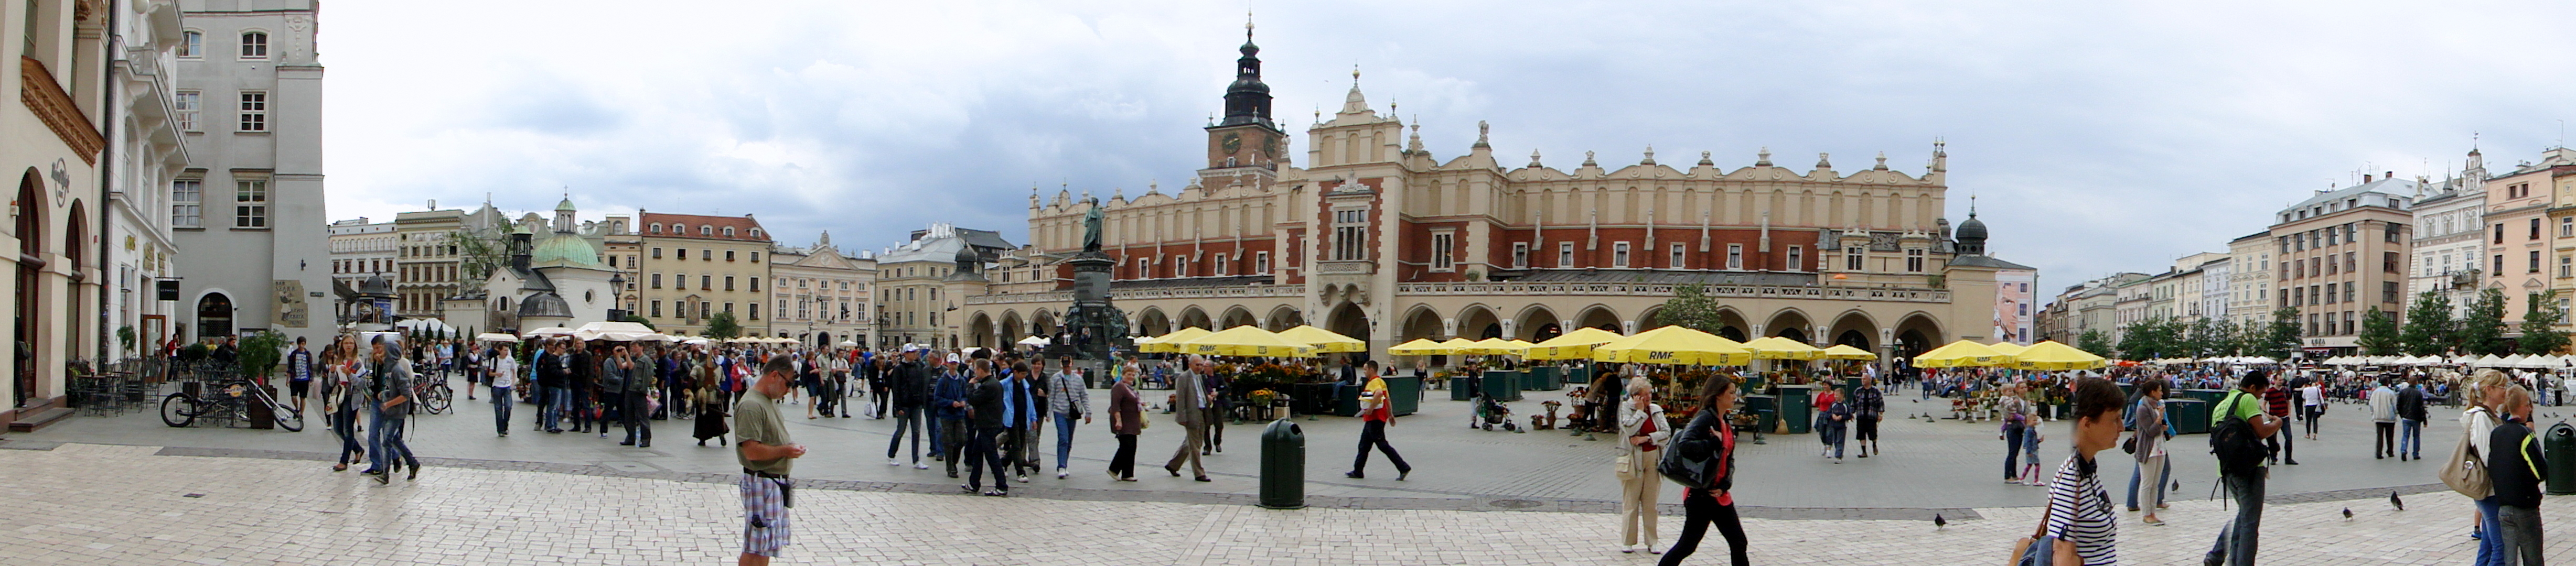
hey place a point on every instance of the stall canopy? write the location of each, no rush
(1574, 345)
(1490, 347)
(1038, 341)
(1674, 345)
(492, 337)
(1962, 354)
(1247, 340)
(2007, 348)
(614, 331)
(1778, 348)
(1170, 343)
(2050, 355)
(550, 331)
(1847, 352)
(1324, 341)
(1417, 347)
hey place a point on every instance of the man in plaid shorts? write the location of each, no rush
(760, 443)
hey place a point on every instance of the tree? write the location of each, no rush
(2143, 340)
(721, 327)
(260, 350)
(2209, 337)
(2378, 334)
(2092, 341)
(2281, 337)
(2482, 331)
(2540, 333)
(478, 257)
(2428, 324)
(1691, 308)
(2224, 338)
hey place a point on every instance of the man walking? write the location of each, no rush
(1067, 400)
(636, 396)
(299, 372)
(2383, 420)
(762, 447)
(391, 403)
(910, 393)
(1868, 406)
(949, 396)
(2237, 541)
(1190, 410)
(989, 411)
(2515, 471)
(503, 372)
(2277, 400)
(1376, 413)
(2410, 421)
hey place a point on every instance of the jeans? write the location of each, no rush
(1124, 462)
(2164, 471)
(954, 435)
(501, 410)
(2012, 451)
(345, 423)
(1373, 435)
(639, 431)
(2410, 438)
(1063, 440)
(1700, 510)
(981, 455)
(2491, 549)
(911, 420)
(386, 441)
(2520, 544)
(2236, 541)
(558, 400)
(939, 442)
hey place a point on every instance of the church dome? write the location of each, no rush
(1973, 230)
(566, 248)
(376, 285)
(545, 305)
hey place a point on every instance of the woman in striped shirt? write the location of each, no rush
(2079, 511)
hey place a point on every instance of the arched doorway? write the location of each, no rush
(1477, 323)
(1282, 318)
(1789, 323)
(214, 316)
(1421, 323)
(1916, 334)
(1237, 316)
(1856, 329)
(1853, 338)
(1600, 317)
(1537, 319)
(31, 264)
(1192, 317)
(1731, 324)
(1347, 320)
(1793, 334)
(1152, 322)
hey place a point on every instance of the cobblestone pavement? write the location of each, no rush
(1928, 467)
(106, 504)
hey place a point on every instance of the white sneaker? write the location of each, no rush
(893, 462)
(1650, 549)
(1024, 479)
(1061, 474)
(1629, 549)
(919, 466)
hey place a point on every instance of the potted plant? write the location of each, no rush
(1268, 402)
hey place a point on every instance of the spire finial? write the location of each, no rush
(1763, 159)
(1247, 26)
(1650, 155)
(1882, 161)
(1482, 129)
(1534, 158)
(1972, 205)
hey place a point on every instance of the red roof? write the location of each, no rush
(701, 227)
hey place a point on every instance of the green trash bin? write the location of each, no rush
(1580, 374)
(1546, 378)
(2203, 395)
(1459, 390)
(1404, 394)
(2190, 416)
(1283, 466)
(1766, 406)
(2559, 447)
(1797, 407)
(1503, 385)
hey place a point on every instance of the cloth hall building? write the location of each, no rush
(1373, 236)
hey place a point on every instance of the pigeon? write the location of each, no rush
(2347, 513)
(1939, 523)
(2393, 501)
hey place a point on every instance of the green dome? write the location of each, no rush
(566, 248)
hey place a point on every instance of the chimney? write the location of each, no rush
(2388, 175)
(2365, 178)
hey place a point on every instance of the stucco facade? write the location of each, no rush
(257, 256)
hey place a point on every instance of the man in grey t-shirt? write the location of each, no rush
(762, 447)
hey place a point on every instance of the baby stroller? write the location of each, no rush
(1489, 413)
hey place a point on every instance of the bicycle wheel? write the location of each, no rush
(177, 410)
(287, 417)
(437, 399)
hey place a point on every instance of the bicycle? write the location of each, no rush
(434, 395)
(229, 403)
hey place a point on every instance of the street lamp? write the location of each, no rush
(617, 292)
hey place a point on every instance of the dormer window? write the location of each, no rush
(706, 229)
(657, 227)
(728, 231)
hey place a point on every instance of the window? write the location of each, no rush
(2347, 322)
(706, 282)
(755, 232)
(1222, 267)
(2499, 265)
(1619, 255)
(1442, 253)
(254, 112)
(2499, 233)
(1678, 262)
(1260, 265)
(755, 311)
(2349, 294)
(755, 256)
(1797, 258)
(728, 255)
(1350, 235)
(187, 198)
(657, 253)
(657, 308)
(2565, 269)
(728, 231)
(1565, 254)
(707, 230)
(1520, 255)
(2535, 262)
(706, 255)
(254, 45)
(657, 229)
(250, 203)
(1914, 260)
(1851, 260)
(728, 282)
(192, 44)
(684, 252)
(2388, 262)
(2393, 229)
(2388, 291)
(755, 284)
(188, 104)
(2566, 227)
(728, 307)
(2535, 229)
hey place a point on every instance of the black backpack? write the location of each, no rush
(2234, 442)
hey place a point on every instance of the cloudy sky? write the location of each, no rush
(2099, 138)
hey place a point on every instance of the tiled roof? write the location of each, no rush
(745, 229)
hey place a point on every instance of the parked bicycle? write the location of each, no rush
(434, 395)
(230, 402)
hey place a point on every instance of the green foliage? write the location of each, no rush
(2281, 337)
(2151, 339)
(1691, 308)
(195, 351)
(2210, 337)
(2092, 341)
(632, 317)
(125, 337)
(2482, 331)
(478, 256)
(260, 351)
(2378, 334)
(2540, 333)
(2428, 325)
(722, 327)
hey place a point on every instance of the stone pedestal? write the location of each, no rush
(1092, 310)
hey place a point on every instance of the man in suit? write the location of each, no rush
(1189, 407)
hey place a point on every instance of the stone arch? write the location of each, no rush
(1194, 317)
(1538, 322)
(1419, 322)
(1916, 333)
(1042, 322)
(1152, 322)
(1282, 318)
(1651, 318)
(1854, 328)
(981, 328)
(1732, 326)
(1599, 316)
(1349, 320)
(1478, 322)
(1236, 316)
(30, 230)
(1789, 323)
(214, 314)
(1012, 330)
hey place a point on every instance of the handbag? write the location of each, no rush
(2466, 472)
(2129, 446)
(1625, 466)
(2038, 549)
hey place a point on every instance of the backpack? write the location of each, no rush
(2466, 471)
(1688, 471)
(2233, 440)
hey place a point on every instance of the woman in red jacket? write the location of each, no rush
(1709, 436)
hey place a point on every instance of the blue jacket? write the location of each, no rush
(1015, 404)
(952, 388)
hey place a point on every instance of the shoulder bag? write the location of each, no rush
(2466, 472)
(2038, 549)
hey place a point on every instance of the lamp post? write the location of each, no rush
(617, 290)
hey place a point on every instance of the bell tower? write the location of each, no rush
(1245, 136)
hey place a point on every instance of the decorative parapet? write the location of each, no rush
(44, 97)
(1893, 294)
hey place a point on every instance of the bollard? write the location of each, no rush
(2560, 449)
(1283, 466)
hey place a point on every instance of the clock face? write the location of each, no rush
(1270, 146)
(1232, 143)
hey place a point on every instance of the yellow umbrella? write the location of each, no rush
(1417, 347)
(2052, 356)
(1574, 345)
(2007, 348)
(1325, 341)
(1247, 340)
(1456, 346)
(1171, 343)
(1674, 345)
(1846, 352)
(1489, 346)
(1962, 354)
(1778, 348)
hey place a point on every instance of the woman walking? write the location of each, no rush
(2149, 492)
(2079, 511)
(1709, 436)
(343, 398)
(2016, 417)
(1639, 484)
(2486, 392)
(1126, 420)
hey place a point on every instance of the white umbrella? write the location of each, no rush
(492, 337)
(697, 341)
(551, 331)
(1035, 341)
